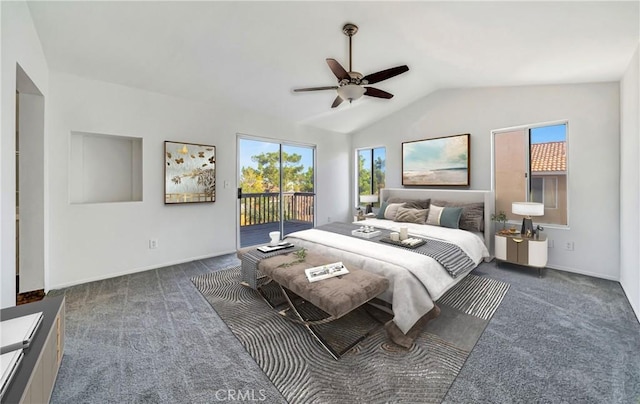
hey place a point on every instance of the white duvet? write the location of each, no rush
(415, 280)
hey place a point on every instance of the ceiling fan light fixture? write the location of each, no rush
(351, 92)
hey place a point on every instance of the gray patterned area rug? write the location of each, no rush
(375, 370)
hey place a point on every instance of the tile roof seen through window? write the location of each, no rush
(551, 156)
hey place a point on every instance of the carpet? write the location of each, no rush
(373, 371)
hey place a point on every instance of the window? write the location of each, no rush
(530, 164)
(370, 176)
(545, 190)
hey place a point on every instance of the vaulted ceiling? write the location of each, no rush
(253, 54)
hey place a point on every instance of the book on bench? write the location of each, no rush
(271, 248)
(325, 271)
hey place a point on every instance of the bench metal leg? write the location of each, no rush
(308, 324)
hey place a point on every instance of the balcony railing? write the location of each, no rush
(260, 208)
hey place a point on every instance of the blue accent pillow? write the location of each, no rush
(383, 207)
(450, 217)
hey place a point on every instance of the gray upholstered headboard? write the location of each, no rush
(487, 197)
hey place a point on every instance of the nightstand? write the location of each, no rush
(527, 251)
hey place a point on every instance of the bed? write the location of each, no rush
(416, 281)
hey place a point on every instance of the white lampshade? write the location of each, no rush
(368, 198)
(527, 208)
(351, 92)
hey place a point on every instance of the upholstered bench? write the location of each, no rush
(335, 296)
(250, 257)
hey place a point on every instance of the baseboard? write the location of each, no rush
(136, 270)
(575, 271)
(599, 276)
(581, 272)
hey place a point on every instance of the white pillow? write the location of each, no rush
(434, 215)
(392, 209)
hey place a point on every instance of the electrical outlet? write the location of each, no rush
(568, 246)
(153, 244)
(329, 219)
(550, 243)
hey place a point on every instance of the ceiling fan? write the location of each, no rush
(351, 84)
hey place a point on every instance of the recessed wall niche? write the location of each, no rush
(105, 168)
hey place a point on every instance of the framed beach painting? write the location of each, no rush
(436, 162)
(189, 173)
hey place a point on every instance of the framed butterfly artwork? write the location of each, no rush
(189, 173)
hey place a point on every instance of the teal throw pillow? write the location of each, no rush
(383, 207)
(450, 217)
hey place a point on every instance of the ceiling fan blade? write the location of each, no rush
(385, 74)
(374, 92)
(338, 70)
(336, 102)
(316, 88)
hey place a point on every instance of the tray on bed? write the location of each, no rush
(405, 245)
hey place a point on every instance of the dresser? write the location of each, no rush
(36, 375)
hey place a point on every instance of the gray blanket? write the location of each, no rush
(449, 255)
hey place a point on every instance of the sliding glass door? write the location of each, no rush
(276, 190)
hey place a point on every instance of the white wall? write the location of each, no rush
(94, 241)
(19, 45)
(630, 183)
(594, 150)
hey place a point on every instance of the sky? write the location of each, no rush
(366, 154)
(367, 157)
(250, 148)
(555, 133)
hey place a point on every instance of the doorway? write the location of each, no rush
(276, 189)
(29, 158)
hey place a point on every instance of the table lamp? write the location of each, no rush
(527, 209)
(370, 200)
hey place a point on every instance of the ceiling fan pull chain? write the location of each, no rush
(350, 68)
